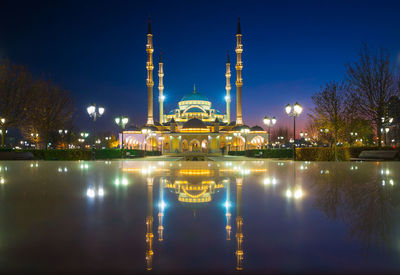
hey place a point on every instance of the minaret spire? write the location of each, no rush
(149, 225)
(161, 89)
(228, 89)
(149, 80)
(239, 225)
(239, 81)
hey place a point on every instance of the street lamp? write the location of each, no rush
(122, 121)
(297, 109)
(35, 138)
(62, 134)
(94, 112)
(268, 121)
(3, 130)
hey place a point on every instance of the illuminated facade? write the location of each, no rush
(194, 125)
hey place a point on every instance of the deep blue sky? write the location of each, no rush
(97, 49)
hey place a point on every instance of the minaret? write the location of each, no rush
(161, 207)
(149, 80)
(228, 226)
(149, 225)
(228, 89)
(161, 89)
(239, 225)
(239, 82)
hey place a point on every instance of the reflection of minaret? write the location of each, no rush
(239, 82)
(239, 224)
(149, 225)
(161, 89)
(228, 213)
(228, 90)
(161, 211)
(149, 80)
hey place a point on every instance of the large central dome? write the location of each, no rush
(195, 96)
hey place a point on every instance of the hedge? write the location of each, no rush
(84, 154)
(322, 154)
(264, 153)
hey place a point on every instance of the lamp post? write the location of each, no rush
(268, 121)
(62, 134)
(3, 130)
(35, 138)
(122, 121)
(294, 112)
(353, 135)
(94, 112)
(386, 121)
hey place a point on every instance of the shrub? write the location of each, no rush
(85, 154)
(322, 154)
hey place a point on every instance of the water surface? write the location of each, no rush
(128, 216)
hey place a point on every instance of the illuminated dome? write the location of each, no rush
(195, 96)
(195, 105)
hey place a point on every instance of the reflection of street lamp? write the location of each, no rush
(268, 121)
(122, 121)
(297, 109)
(94, 113)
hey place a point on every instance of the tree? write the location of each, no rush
(372, 83)
(15, 95)
(329, 109)
(51, 109)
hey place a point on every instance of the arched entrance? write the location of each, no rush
(131, 143)
(257, 142)
(185, 145)
(194, 145)
(238, 143)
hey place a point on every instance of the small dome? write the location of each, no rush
(132, 128)
(149, 127)
(239, 128)
(194, 123)
(256, 129)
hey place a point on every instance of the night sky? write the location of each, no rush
(97, 49)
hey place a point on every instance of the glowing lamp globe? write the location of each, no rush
(288, 109)
(91, 109)
(297, 108)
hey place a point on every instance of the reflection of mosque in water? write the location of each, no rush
(194, 184)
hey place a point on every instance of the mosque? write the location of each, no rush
(194, 125)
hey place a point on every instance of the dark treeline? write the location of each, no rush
(36, 106)
(363, 105)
